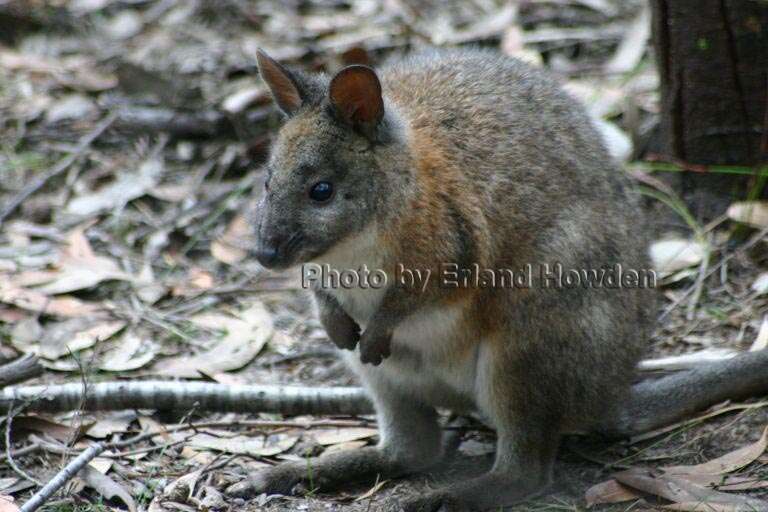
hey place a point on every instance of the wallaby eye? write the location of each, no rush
(321, 191)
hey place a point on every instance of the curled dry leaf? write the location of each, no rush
(128, 354)
(106, 487)
(75, 334)
(53, 429)
(244, 337)
(33, 300)
(260, 446)
(729, 462)
(668, 256)
(609, 491)
(754, 213)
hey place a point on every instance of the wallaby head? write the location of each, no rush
(328, 169)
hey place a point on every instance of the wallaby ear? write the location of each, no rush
(281, 83)
(355, 94)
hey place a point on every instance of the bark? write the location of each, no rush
(713, 65)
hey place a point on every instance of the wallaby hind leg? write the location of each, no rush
(528, 437)
(410, 442)
(523, 468)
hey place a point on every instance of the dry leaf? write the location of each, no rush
(343, 447)
(669, 256)
(245, 336)
(7, 504)
(41, 303)
(373, 490)
(687, 361)
(760, 286)
(58, 431)
(196, 282)
(127, 355)
(761, 341)
(105, 486)
(609, 491)
(679, 490)
(261, 446)
(754, 213)
(80, 268)
(729, 462)
(729, 482)
(704, 506)
(230, 247)
(129, 186)
(342, 435)
(114, 423)
(632, 46)
(63, 338)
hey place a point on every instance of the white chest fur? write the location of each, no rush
(424, 358)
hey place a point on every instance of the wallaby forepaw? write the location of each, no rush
(344, 332)
(375, 346)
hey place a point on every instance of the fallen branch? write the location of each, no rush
(290, 400)
(204, 123)
(166, 395)
(21, 369)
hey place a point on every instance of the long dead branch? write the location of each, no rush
(203, 123)
(166, 395)
(183, 395)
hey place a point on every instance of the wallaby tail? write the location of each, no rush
(660, 402)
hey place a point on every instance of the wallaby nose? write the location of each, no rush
(267, 255)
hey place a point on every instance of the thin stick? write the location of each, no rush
(60, 166)
(62, 477)
(9, 455)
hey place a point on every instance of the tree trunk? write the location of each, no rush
(712, 57)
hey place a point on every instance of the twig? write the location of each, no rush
(61, 166)
(21, 369)
(62, 477)
(9, 455)
(165, 395)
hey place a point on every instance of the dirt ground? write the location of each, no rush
(132, 135)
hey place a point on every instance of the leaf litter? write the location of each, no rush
(129, 236)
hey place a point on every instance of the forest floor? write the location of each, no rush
(132, 138)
